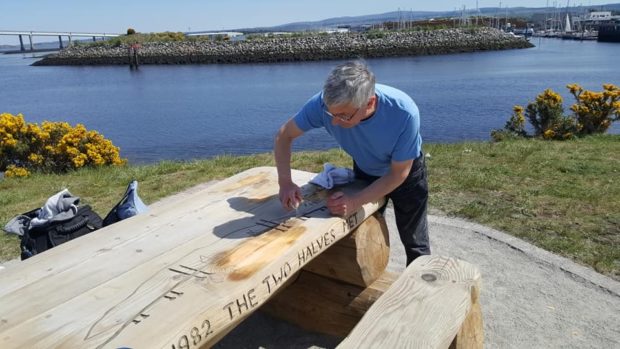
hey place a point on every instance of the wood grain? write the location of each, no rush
(181, 276)
(325, 305)
(360, 258)
(424, 308)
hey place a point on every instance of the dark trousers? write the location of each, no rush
(410, 204)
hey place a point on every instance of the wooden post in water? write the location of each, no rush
(21, 43)
(133, 56)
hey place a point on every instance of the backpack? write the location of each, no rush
(37, 239)
(129, 206)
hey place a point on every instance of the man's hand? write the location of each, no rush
(290, 196)
(342, 205)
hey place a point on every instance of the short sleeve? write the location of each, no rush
(311, 114)
(409, 143)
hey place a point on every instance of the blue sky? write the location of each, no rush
(182, 15)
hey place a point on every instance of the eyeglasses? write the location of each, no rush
(343, 118)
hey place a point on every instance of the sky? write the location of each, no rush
(115, 16)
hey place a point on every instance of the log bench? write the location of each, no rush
(187, 272)
(433, 304)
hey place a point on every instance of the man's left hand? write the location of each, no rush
(341, 205)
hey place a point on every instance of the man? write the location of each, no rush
(379, 127)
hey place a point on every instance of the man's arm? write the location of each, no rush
(290, 194)
(343, 205)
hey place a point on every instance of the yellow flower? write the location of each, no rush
(35, 158)
(56, 143)
(93, 155)
(8, 141)
(573, 88)
(552, 96)
(517, 109)
(610, 87)
(14, 171)
(549, 134)
(79, 160)
(72, 151)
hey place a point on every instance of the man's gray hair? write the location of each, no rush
(349, 83)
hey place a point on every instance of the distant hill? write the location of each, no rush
(396, 16)
(359, 20)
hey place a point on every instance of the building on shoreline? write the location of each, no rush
(216, 35)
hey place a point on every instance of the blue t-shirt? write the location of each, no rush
(391, 134)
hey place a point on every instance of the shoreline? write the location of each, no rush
(294, 49)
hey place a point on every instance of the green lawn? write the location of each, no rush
(561, 196)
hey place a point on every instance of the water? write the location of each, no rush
(198, 111)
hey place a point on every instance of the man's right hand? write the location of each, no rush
(290, 196)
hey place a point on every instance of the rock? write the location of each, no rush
(286, 49)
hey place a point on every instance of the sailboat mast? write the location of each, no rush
(546, 15)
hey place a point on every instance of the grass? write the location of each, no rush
(561, 196)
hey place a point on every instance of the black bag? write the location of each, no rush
(40, 238)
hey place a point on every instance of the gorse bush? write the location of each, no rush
(51, 147)
(546, 112)
(515, 126)
(595, 111)
(141, 38)
(375, 34)
(546, 115)
(592, 113)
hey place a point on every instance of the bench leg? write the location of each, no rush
(336, 289)
(471, 334)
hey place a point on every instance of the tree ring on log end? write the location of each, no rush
(429, 277)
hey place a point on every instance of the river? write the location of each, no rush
(198, 111)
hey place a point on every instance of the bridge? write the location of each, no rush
(70, 35)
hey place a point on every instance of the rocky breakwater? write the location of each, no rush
(295, 48)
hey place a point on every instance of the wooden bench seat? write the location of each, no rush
(433, 304)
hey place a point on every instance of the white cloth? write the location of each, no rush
(60, 206)
(17, 225)
(332, 176)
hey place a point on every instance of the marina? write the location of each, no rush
(595, 25)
